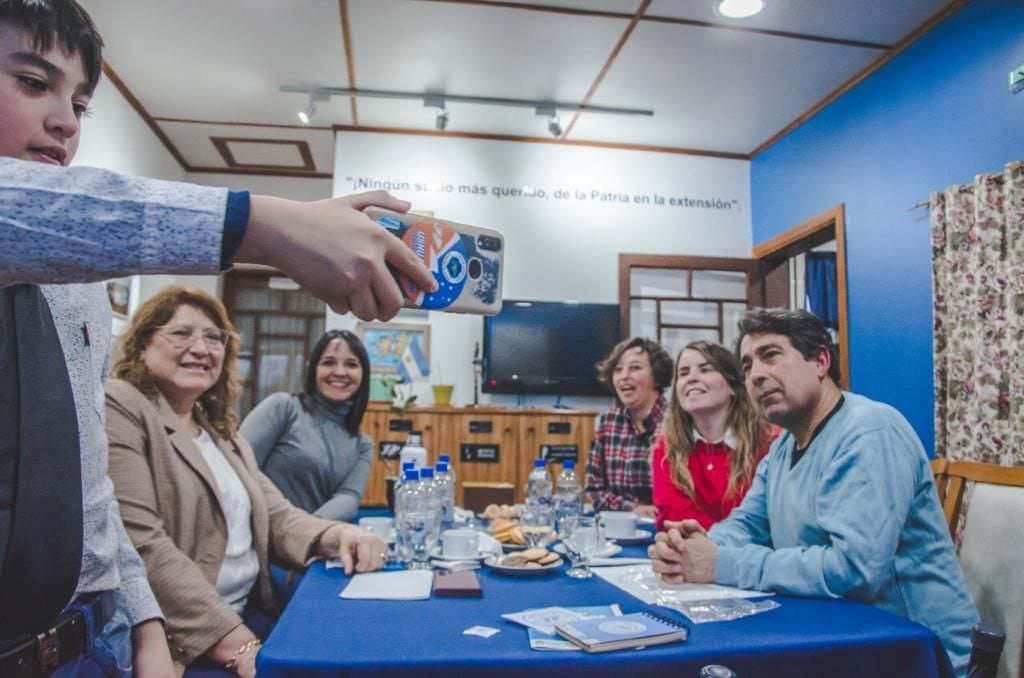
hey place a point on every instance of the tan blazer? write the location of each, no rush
(171, 509)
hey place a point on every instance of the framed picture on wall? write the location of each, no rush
(397, 349)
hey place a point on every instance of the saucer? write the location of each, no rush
(639, 537)
(607, 551)
(437, 555)
(494, 564)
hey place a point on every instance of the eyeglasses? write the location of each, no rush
(183, 336)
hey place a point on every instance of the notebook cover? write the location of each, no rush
(637, 629)
(459, 584)
(552, 641)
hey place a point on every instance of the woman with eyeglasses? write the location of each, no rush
(309, 443)
(203, 517)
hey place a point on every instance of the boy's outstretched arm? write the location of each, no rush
(334, 250)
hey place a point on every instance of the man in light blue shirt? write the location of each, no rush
(843, 506)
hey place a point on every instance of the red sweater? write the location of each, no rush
(710, 465)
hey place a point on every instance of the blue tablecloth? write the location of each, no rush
(321, 634)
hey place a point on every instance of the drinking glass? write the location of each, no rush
(537, 524)
(420, 532)
(582, 537)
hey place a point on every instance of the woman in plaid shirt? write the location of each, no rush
(619, 471)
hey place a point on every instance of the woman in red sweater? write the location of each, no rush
(713, 439)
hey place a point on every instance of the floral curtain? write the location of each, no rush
(978, 287)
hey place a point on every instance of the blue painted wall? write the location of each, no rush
(936, 115)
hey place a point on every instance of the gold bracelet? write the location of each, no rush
(243, 650)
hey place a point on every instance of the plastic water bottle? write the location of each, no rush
(403, 500)
(413, 450)
(418, 519)
(445, 486)
(451, 474)
(567, 494)
(431, 506)
(538, 485)
(407, 466)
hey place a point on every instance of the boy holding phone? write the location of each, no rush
(72, 588)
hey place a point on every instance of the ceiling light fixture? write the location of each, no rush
(549, 109)
(306, 115)
(740, 9)
(554, 126)
(441, 121)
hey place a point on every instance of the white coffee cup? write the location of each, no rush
(619, 524)
(462, 543)
(381, 526)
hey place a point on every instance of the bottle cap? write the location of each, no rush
(568, 463)
(408, 465)
(426, 473)
(411, 474)
(442, 467)
(539, 463)
(444, 457)
(988, 638)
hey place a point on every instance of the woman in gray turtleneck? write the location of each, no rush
(309, 443)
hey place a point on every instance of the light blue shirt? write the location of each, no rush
(857, 517)
(80, 224)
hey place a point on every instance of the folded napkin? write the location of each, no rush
(603, 562)
(402, 585)
(488, 544)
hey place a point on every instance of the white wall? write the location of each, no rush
(115, 137)
(555, 248)
(282, 187)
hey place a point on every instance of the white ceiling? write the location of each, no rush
(203, 70)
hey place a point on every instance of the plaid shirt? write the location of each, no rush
(619, 468)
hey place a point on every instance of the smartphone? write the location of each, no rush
(466, 262)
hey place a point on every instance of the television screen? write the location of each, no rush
(548, 347)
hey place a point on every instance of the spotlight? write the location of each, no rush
(441, 121)
(554, 126)
(306, 115)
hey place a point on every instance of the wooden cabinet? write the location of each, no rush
(554, 437)
(486, 444)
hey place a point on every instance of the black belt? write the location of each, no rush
(67, 638)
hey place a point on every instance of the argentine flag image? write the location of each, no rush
(414, 365)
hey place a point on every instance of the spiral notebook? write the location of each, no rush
(638, 629)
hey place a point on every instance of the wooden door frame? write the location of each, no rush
(755, 293)
(818, 230)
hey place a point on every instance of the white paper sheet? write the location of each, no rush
(404, 585)
(644, 583)
(613, 562)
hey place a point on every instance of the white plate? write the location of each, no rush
(609, 549)
(639, 537)
(492, 563)
(438, 556)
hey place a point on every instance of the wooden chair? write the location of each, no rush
(939, 471)
(992, 572)
(955, 475)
